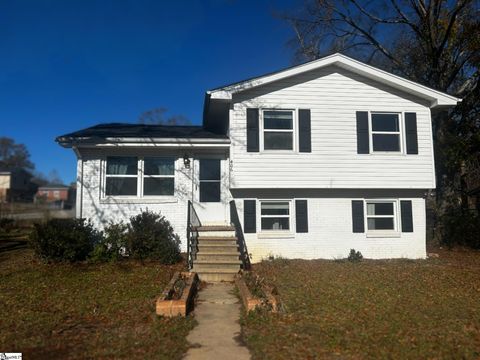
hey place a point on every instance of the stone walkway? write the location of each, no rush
(218, 331)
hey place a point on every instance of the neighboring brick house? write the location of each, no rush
(16, 185)
(58, 194)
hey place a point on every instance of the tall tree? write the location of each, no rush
(433, 42)
(14, 155)
(158, 116)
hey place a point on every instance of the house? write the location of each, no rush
(16, 185)
(55, 195)
(307, 162)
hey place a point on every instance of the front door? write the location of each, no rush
(210, 190)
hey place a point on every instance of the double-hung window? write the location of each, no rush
(381, 215)
(385, 132)
(278, 130)
(159, 176)
(275, 215)
(121, 176)
(139, 177)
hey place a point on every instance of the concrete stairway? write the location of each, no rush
(218, 258)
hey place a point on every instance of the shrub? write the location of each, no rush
(150, 236)
(6, 225)
(354, 256)
(461, 228)
(112, 245)
(64, 239)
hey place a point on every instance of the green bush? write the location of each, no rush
(150, 236)
(6, 225)
(461, 228)
(64, 239)
(354, 256)
(112, 245)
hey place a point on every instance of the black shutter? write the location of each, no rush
(304, 131)
(362, 133)
(358, 224)
(252, 130)
(249, 216)
(301, 216)
(411, 133)
(407, 219)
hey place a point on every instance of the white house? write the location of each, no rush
(307, 162)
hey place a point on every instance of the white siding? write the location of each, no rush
(330, 234)
(333, 95)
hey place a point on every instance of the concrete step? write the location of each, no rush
(215, 256)
(216, 233)
(219, 241)
(218, 248)
(215, 228)
(219, 265)
(217, 275)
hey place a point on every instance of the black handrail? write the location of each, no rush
(193, 222)
(242, 246)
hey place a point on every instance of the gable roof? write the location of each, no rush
(132, 132)
(435, 97)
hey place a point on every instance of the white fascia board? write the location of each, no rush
(158, 145)
(436, 98)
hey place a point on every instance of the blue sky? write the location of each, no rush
(67, 65)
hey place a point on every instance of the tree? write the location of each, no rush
(433, 42)
(14, 155)
(158, 116)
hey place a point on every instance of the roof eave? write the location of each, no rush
(435, 97)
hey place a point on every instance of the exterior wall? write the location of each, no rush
(333, 95)
(53, 194)
(101, 210)
(330, 233)
(4, 186)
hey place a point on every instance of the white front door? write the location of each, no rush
(211, 189)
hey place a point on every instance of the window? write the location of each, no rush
(209, 180)
(385, 132)
(381, 215)
(124, 176)
(159, 176)
(56, 194)
(278, 130)
(121, 176)
(275, 215)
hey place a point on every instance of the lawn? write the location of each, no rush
(58, 311)
(373, 309)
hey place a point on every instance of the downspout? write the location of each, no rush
(79, 204)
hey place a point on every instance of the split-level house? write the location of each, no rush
(307, 162)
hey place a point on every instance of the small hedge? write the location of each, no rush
(151, 236)
(147, 236)
(64, 239)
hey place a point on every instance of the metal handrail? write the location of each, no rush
(242, 246)
(193, 222)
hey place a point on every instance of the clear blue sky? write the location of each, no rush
(70, 64)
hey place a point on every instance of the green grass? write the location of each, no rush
(373, 309)
(58, 311)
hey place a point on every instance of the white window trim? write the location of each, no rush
(382, 233)
(400, 132)
(293, 131)
(139, 176)
(275, 232)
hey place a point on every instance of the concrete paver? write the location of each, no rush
(218, 330)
